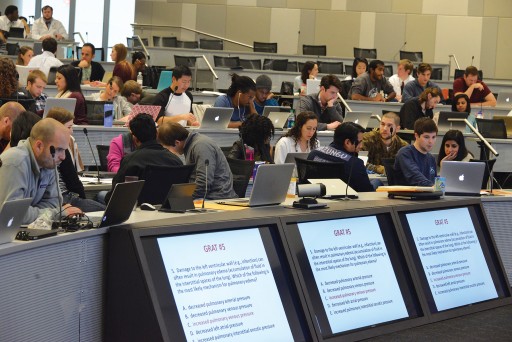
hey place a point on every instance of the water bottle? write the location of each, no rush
(291, 119)
(139, 78)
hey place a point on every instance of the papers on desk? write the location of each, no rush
(87, 180)
(405, 188)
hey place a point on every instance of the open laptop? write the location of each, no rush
(444, 125)
(290, 156)
(312, 87)
(462, 178)
(16, 32)
(216, 118)
(508, 123)
(68, 104)
(11, 217)
(270, 109)
(270, 186)
(23, 72)
(361, 118)
(335, 188)
(504, 99)
(279, 119)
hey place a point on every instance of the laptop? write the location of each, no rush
(107, 76)
(141, 109)
(68, 104)
(335, 188)
(444, 125)
(462, 178)
(504, 99)
(279, 119)
(270, 186)
(508, 123)
(312, 87)
(38, 48)
(361, 118)
(23, 72)
(179, 198)
(216, 118)
(268, 109)
(11, 218)
(290, 156)
(17, 32)
(120, 207)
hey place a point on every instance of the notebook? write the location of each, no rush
(335, 188)
(462, 178)
(508, 123)
(268, 109)
(270, 186)
(504, 99)
(11, 218)
(68, 104)
(312, 87)
(23, 72)
(279, 119)
(361, 118)
(216, 118)
(444, 125)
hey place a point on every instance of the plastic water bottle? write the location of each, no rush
(140, 78)
(291, 119)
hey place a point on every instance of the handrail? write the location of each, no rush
(135, 25)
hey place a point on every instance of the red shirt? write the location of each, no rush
(459, 86)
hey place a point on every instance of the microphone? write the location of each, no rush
(391, 131)
(206, 163)
(162, 113)
(472, 59)
(396, 54)
(93, 156)
(52, 152)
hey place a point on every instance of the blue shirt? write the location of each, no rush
(239, 114)
(414, 168)
(269, 102)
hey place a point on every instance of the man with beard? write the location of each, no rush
(421, 106)
(373, 85)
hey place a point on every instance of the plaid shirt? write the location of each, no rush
(40, 103)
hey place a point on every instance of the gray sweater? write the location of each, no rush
(21, 177)
(325, 116)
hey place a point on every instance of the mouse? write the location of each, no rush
(147, 206)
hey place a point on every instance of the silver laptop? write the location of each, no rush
(278, 119)
(216, 118)
(361, 118)
(290, 156)
(270, 186)
(268, 109)
(504, 99)
(23, 72)
(335, 188)
(312, 87)
(68, 104)
(11, 218)
(444, 125)
(462, 178)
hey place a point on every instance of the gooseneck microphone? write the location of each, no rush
(52, 152)
(396, 54)
(391, 132)
(206, 163)
(93, 156)
(472, 60)
(162, 113)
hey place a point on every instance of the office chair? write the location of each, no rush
(460, 73)
(264, 47)
(314, 50)
(412, 56)
(102, 156)
(242, 172)
(330, 67)
(13, 49)
(307, 169)
(189, 61)
(388, 70)
(389, 166)
(254, 64)
(293, 66)
(437, 74)
(51, 76)
(365, 53)
(275, 64)
(99, 53)
(226, 62)
(187, 44)
(211, 44)
(156, 41)
(159, 179)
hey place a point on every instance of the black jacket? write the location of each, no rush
(97, 71)
(70, 177)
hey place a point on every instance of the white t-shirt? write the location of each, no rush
(6, 24)
(287, 145)
(178, 104)
(396, 82)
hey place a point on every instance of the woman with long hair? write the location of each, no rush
(255, 135)
(359, 67)
(68, 86)
(309, 72)
(8, 79)
(25, 55)
(300, 138)
(123, 69)
(453, 148)
(460, 103)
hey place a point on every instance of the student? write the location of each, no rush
(264, 95)
(121, 106)
(25, 55)
(476, 90)
(91, 70)
(373, 85)
(460, 103)
(309, 72)
(8, 113)
(68, 86)
(416, 87)
(453, 148)
(21, 127)
(419, 107)
(359, 67)
(402, 77)
(255, 135)
(300, 138)
(414, 165)
(36, 82)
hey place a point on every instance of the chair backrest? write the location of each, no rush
(345, 88)
(102, 154)
(460, 73)
(169, 42)
(133, 42)
(318, 170)
(165, 80)
(412, 56)
(315, 50)
(13, 49)
(489, 164)
(226, 150)
(96, 112)
(293, 66)
(226, 62)
(28, 104)
(365, 53)
(437, 74)
(275, 64)
(211, 44)
(348, 69)
(388, 70)
(254, 64)
(494, 129)
(51, 76)
(264, 47)
(242, 172)
(187, 44)
(159, 179)
(389, 166)
(330, 67)
(157, 41)
(286, 88)
(189, 61)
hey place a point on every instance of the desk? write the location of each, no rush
(63, 46)
(51, 90)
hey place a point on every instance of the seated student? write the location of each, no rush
(460, 103)
(68, 85)
(36, 82)
(414, 165)
(198, 149)
(383, 142)
(9, 80)
(8, 113)
(359, 67)
(309, 72)
(419, 107)
(21, 127)
(240, 97)
(176, 100)
(453, 147)
(325, 104)
(402, 77)
(300, 138)
(134, 94)
(347, 142)
(477, 91)
(372, 85)
(264, 95)
(91, 70)
(416, 87)
(120, 146)
(111, 94)
(148, 152)
(255, 135)
(71, 187)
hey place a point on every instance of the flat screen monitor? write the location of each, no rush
(354, 272)
(225, 284)
(455, 257)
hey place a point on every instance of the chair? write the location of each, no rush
(96, 112)
(300, 66)
(211, 44)
(330, 67)
(226, 150)
(157, 41)
(286, 88)
(437, 74)
(389, 166)
(264, 47)
(187, 44)
(348, 69)
(165, 80)
(133, 42)
(102, 155)
(159, 179)
(242, 172)
(28, 104)
(13, 49)
(275, 64)
(315, 50)
(307, 169)
(189, 61)
(169, 42)
(460, 73)
(365, 53)
(293, 66)
(253, 64)
(494, 129)
(412, 56)
(489, 164)
(226, 62)
(51, 76)
(388, 70)
(99, 54)
(345, 88)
